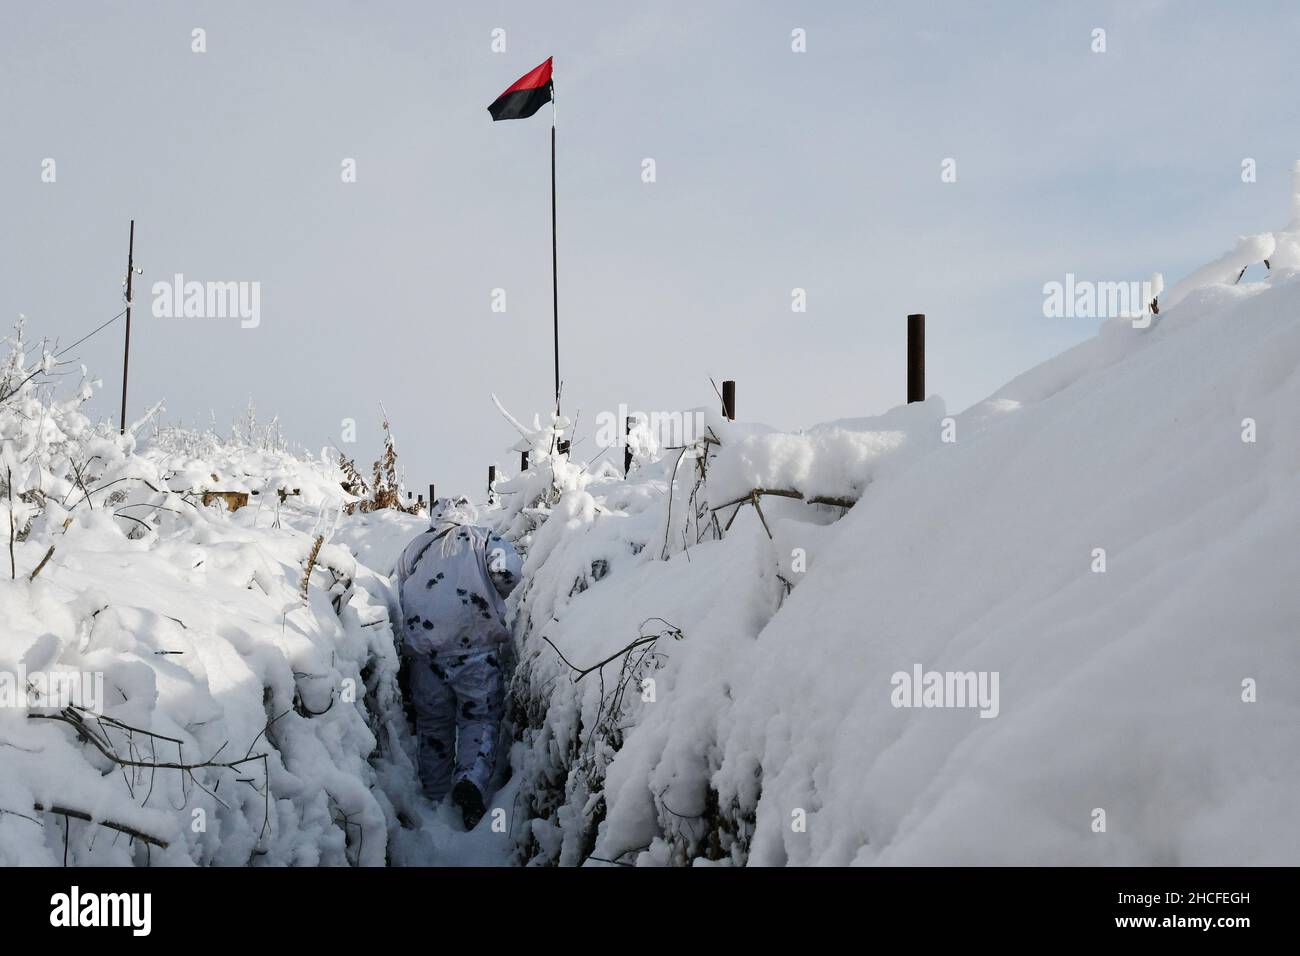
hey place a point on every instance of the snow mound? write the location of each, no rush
(184, 684)
(834, 462)
(1113, 535)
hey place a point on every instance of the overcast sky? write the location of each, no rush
(775, 170)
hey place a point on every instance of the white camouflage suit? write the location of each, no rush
(452, 580)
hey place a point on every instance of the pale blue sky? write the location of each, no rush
(776, 170)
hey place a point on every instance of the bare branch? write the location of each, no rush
(111, 825)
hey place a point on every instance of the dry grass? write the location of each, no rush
(384, 489)
(311, 566)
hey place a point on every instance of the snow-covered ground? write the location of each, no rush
(704, 674)
(1115, 535)
(195, 619)
(227, 715)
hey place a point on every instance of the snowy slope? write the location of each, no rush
(772, 736)
(1120, 690)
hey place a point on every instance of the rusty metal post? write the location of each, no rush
(432, 496)
(729, 400)
(915, 358)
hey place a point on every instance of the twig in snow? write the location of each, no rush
(752, 496)
(76, 718)
(673, 632)
(110, 824)
(81, 483)
(668, 523)
(147, 526)
(32, 576)
(73, 717)
(9, 484)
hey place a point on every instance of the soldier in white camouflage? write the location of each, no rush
(452, 580)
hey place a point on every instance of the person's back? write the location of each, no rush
(451, 598)
(452, 581)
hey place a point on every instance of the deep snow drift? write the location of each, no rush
(279, 706)
(240, 702)
(1162, 691)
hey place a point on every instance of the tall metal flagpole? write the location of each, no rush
(555, 291)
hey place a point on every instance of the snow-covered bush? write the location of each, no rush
(651, 575)
(180, 683)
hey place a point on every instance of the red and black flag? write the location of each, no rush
(526, 96)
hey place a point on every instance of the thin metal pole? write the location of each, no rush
(555, 289)
(126, 350)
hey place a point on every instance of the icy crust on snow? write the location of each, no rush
(769, 734)
(195, 620)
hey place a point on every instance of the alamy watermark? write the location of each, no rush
(1084, 299)
(75, 908)
(672, 429)
(943, 689)
(179, 299)
(81, 689)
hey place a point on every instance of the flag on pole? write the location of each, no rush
(528, 94)
(521, 100)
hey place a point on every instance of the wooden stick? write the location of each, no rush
(32, 576)
(760, 516)
(784, 493)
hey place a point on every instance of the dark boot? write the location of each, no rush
(466, 796)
